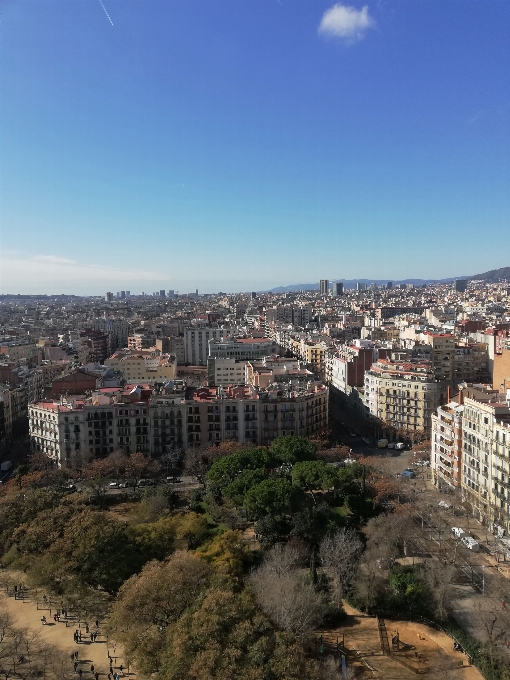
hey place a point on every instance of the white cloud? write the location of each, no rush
(348, 23)
(40, 273)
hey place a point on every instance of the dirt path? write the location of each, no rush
(434, 649)
(26, 615)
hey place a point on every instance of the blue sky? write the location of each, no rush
(242, 144)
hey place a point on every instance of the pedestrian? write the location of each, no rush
(121, 667)
(92, 637)
(91, 667)
(503, 605)
(75, 666)
(97, 623)
(86, 627)
(43, 620)
(80, 673)
(79, 635)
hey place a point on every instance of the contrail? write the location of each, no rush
(108, 16)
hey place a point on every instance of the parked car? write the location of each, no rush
(400, 446)
(145, 482)
(470, 543)
(444, 505)
(113, 485)
(407, 473)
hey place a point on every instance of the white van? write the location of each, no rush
(470, 543)
(458, 532)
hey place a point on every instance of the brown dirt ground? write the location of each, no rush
(26, 615)
(435, 649)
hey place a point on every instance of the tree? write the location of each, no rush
(97, 477)
(226, 553)
(339, 554)
(95, 548)
(291, 449)
(439, 579)
(270, 497)
(138, 466)
(225, 470)
(313, 475)
(237, 489)
(148, 603)
(226, 636)
(286, 596)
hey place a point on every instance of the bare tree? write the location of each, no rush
(439, 578)
(494, 625)
(339, 554)
(285, 594)
(332, 670)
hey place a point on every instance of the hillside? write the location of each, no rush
(491, 276)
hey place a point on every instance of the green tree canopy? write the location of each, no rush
(226, 636)
(291, 449)
(271, 497)
(148, 603)
(314, 475)
(224, 470)
(238, 488)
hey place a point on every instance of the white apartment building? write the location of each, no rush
(72, 431)
(226, 371)
(196, 342)
(471, 449)
(403, 394)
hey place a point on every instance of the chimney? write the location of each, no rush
(448, 395)
(461, 397)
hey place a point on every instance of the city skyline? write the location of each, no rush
(243, 146)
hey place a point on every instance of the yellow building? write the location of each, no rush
(143, 365)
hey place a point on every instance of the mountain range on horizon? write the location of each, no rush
(492, 276)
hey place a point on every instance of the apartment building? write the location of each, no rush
(501, 366)
(17, 350)
(271, 370)
(500, 491)
(256, 416)
(403, 393)
(173, 344)
(471, 450)
(446, 443)
(196, 342)
(346, 365)
(242, 349)
(167, 419)
(15, 402)
(143, 365)
(73, 430)
(226, 371)
(116, 328)
(443, 353)
(139, 341)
